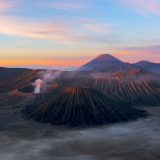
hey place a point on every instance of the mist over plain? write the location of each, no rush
(134, 140)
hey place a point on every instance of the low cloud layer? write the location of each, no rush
(134, 141)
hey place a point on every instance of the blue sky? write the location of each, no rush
(48, 32)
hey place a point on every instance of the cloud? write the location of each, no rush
(144, 7)
(134, 54)
(142, 48)
(62, 32)
(94, 32)
(65, 5)
(6, 5)
(58, 32)
(98, 27)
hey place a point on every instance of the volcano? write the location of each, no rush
(107, 63)
(80, 107)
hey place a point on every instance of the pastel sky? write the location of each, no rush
(68, 33)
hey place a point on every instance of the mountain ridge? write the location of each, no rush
(107, 63)
(150, 66)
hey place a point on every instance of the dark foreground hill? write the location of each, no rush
(81, 107)
(27, 77)
(10, 73)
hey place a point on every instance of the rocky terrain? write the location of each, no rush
(79, 98)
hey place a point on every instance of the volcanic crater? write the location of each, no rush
(80, 107)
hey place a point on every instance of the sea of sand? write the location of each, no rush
(138, 140)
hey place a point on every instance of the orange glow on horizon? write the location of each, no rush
(52, 63)
(130, 56)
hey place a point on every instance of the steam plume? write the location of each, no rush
(45, 77)
(38, 83)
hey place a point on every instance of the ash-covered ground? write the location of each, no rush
(27, 140)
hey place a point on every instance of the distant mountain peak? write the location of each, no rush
(107, 58)
(107, 55)
(106, 63)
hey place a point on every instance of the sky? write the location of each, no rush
(69, 33)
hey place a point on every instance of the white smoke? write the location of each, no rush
(38, 84)
(50, 76)
(45, 77)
